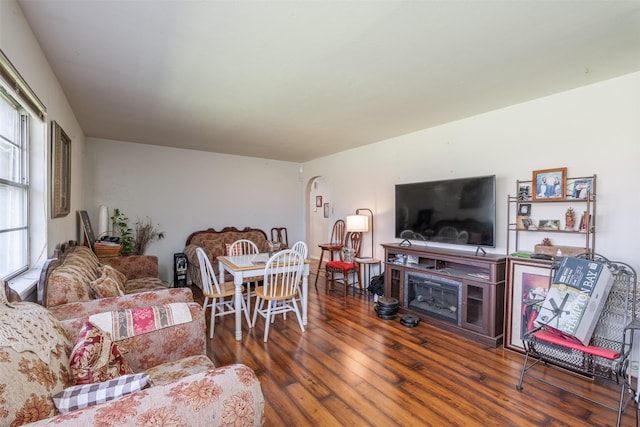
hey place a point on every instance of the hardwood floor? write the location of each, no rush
(352, 368)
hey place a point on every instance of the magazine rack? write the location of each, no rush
(608, 354)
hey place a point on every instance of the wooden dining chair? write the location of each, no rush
(246, 247)
(333, 246)
(280, 289)
(279, 235)
(220, 297)
(346, 264)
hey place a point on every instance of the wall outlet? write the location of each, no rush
(634, 366)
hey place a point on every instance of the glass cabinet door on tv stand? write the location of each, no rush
(551, 226)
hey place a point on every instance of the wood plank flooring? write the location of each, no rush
(352, 368)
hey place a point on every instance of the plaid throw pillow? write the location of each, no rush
(237, 250)
(81, 396)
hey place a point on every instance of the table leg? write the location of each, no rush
(237, 280)
(305, 293)
(319, 265)
(220, 272)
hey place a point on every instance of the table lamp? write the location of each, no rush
(360, 223)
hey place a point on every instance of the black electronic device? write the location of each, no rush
(179, 270)
(459, 211)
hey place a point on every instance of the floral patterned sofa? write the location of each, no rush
(77, 274)
(181, 385)
(214, 244)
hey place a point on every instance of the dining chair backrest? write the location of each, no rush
(337, 232)
(243, 247)
(210, 284)
(302, 248)
(282, 274)
(279, 234)
(352, 244)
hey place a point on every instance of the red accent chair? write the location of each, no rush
(346, 264)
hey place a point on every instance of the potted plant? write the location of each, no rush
(120, 228)
(146, 233)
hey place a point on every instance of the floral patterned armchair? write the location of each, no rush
(36, 367)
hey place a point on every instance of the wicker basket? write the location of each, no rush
(107, 251)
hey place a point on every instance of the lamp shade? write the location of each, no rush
(358, 223)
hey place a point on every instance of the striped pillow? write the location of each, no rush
(81, 396)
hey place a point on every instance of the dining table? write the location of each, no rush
(253, 265)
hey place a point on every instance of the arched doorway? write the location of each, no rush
(317, 224)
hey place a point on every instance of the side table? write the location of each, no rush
(365, 274)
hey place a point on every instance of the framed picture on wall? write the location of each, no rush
(60, 172)
(326, 210)
(528, 283)
(318, 201)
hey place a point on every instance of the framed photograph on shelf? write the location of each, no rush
(318, 201)
(581, 188)
(550, 184)
(524, 192)
(549, 224)
(528, 283)
(524, 209)
(60, 171)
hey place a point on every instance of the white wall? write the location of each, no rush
(184, 191)
(591, 130)
(18, 42)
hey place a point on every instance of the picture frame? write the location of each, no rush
(60, 172)
(326, 210)
(318, 201)
(524, 209)
(581, 188)
(86, 229)
(528, 282)
(550, 184)
(549, 224)
(523, 222)
(524, 192)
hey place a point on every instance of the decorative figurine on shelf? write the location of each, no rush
(546, 242)
(570, 219)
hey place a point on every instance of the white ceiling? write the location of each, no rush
(298, 80)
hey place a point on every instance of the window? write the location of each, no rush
(23, 170)
(14, 187)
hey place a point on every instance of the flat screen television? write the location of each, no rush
(459, 211)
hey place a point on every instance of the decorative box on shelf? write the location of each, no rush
(564, 250)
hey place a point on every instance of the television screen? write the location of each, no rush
(457, 211)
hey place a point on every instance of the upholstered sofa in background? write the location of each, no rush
(77, 274)
(36, 361)
(214, 244)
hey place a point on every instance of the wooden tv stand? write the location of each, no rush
(424, 280)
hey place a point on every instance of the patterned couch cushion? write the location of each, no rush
(109, 284)
(39, 379)
(95, 357)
